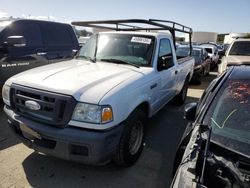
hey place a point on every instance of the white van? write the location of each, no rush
(212, 51)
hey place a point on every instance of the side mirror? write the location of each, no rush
(17, 41)
(165, 62)
(74, 52)
(190, 111)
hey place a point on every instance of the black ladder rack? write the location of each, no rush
(136, 25)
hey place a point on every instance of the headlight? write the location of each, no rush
(92, 113)
(6, 94)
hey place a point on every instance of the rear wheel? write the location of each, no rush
(131, 143)
(181, 97)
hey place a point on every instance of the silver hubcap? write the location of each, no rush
(136, 136)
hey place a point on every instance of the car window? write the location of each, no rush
(240, 48)
(166, 51)
(56, 34)
(30, 31)
(182, 51)
(229, 116)
(165, 48)
(209, 50)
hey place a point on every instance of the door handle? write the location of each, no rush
(41, 53)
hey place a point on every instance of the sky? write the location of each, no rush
(222, 16)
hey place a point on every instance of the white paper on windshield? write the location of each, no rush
(141, 40)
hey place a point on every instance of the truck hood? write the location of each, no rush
(79, 78)
(237, 59)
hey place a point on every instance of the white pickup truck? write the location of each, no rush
(92, 109)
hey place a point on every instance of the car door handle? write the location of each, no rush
(41, 53)
(153, 86)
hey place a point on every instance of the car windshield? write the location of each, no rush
(119, 48)
(209, 50)
(196, 53)
(229, 116)
(182, 51)
(240, 48)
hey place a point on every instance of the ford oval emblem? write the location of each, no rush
(32, 105)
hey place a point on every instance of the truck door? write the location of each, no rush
(166, 70)
(58, 41)
(18, 58)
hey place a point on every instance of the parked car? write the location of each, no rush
(215, 148)
(92, 109)
(25, 44)
(202, 61)
(212, 51)
(238, 52)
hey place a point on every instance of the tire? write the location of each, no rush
(132, 140)
(208, 71)
(181, 97)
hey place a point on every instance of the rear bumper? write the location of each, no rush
(70, 143)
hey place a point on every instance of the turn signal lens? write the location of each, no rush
(107, 114)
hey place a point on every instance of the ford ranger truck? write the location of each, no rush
(93, 108)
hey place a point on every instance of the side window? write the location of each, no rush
(56, 34)
(30, 31)
(165, 48)
(165, 56)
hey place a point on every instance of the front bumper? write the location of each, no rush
(69, 143)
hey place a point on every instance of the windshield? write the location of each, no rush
(196, 53)
(209, 50)
(240, 48)
(183, 51)
(134, 49)
(229, 116)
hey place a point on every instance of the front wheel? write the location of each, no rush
(131, 143)
(207, 70)
(181, 97)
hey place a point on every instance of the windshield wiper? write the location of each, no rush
(119, 61)
(87, 58)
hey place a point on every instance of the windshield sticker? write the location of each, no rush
(141, 40)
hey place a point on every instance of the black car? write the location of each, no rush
(25, 44)
(215, 148)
